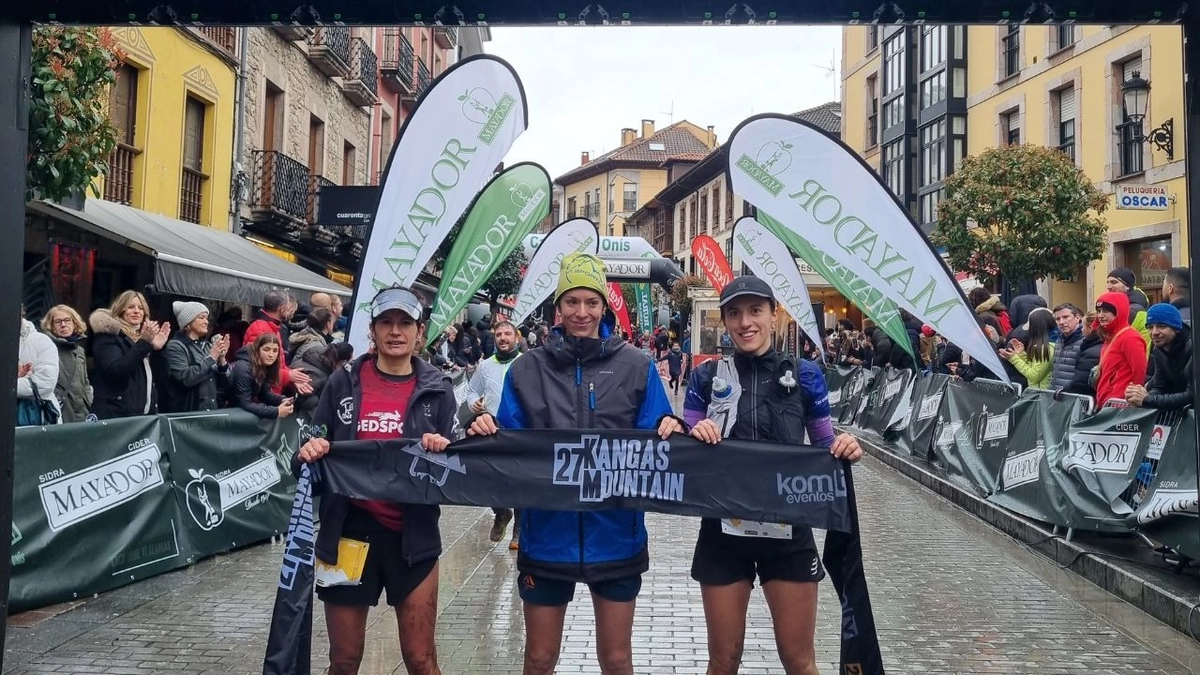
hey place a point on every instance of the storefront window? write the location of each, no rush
(711, 332)
(1149, 261)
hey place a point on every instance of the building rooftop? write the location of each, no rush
(672, 143)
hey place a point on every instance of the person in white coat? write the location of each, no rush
(485, 387)
(37, 364)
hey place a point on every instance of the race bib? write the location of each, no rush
(352, 557)
(753, 528)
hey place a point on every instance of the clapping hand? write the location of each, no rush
(161, 335)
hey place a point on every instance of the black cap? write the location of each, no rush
(746, 285)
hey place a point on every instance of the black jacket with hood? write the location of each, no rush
(336, 417)
(1170, 388)
(122, 377)
(194, 379)
(1089, 357)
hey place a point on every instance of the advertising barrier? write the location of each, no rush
(1046, 456)
(158, 494)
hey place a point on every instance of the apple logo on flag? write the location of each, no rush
(774, 157)
(521, 194)
(478, 105)
(204, 500)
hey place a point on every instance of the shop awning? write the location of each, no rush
(193, 260)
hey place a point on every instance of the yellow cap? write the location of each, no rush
(582, 270)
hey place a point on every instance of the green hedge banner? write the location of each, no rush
(100, 505)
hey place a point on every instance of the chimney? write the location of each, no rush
(627, 136)
(712, 138)
(584, 158)
(647, 128)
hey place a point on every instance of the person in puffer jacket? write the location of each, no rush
(583, 378)
(1066, 350)
(986, 304)
(1123, 358)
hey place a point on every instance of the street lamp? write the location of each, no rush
(1136, 92)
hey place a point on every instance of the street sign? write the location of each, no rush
(1143, 197)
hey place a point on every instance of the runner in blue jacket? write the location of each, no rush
(584, 378)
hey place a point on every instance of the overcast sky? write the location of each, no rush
(585, 84)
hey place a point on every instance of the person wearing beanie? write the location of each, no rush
(1170, 387)
(196, 366)
(583, 378)
(1123, 356)
(1122, 280)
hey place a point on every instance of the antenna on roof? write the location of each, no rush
(669, 113)
(830, 71)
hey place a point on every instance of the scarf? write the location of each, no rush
(505, 357)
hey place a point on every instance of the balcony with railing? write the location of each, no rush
(329, 50)
(592, 211)
(361, 86)
(191, 195)
(397, 66)
(118, 185)
(315, 183)
(281, 192)
(445, 37)
(224, 37)
(424, 79)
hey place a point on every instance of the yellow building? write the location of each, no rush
(174, 106)
(917, 99)
(611, 187)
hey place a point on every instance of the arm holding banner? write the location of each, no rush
(819, 424)
(656, 410)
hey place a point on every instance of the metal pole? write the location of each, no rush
(1191, 132)
(15, 43)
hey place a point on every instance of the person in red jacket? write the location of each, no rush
(270, 319)
(1123, 357)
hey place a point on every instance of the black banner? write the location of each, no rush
(594, 470)
(927, 393)
(289, 642)
(837, 380)
(1167, 509)
(972, 432)
(100, 505)
(887, 394)
(347, 204)
(1030, 478)
(605, 469)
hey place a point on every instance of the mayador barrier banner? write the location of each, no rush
(828, 198)
(888, 394)
(155, 494)
(635, 469)
(1030, 439)
(770, 260)
(645, 306)
(1101, 456)
(711, 260)
(577, 235)
(507, 209)
(1167, 510)
(447, 149)
(973, 414)
(289, 640)
(927, 393)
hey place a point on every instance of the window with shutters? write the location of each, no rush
(1065, 35)
(1129, 147)
(1010, 127)
(349, 163)
(681, 213)
(629, 198)
(716, 207)
(1066, 122)
(704, 214)
(693, 219)
(191, 192)
(729, 209)
(873, 111)
(123, 97)
(1010, 50)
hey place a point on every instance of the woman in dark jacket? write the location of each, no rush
(1088, 359)
(254, 378)
(387, 394)
(320, 367)
(196, 367)
(124, 338)
(73, 391)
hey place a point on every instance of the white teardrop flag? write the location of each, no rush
(577, 235)
(770, 260)
(829, 200)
